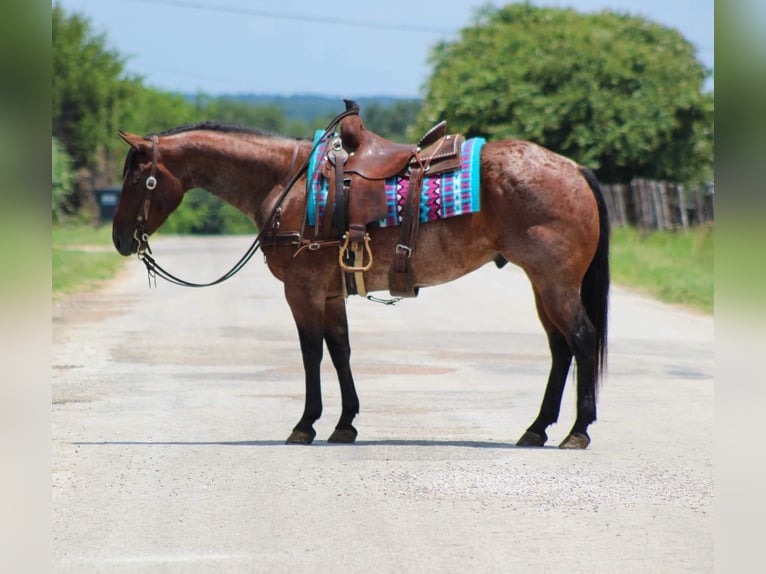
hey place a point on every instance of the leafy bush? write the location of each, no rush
(205, 214)
(61, 180)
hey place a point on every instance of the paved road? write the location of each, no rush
(171, 406)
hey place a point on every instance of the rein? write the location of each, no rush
(154, 269)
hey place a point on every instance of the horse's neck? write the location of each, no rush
(242, 169)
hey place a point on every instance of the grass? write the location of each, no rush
(69, 235)
(82, 257)
(673, 266)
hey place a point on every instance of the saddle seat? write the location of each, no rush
(374, 157)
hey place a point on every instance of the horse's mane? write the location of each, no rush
(216, 127)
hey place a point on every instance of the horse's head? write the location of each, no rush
(150, 193)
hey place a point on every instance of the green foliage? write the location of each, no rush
(228, 110)
(391, 121)
(152, 110)
(202, 213)
(615, 92)
(87, 88)
(61, 179)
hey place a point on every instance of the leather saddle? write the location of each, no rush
(357, 164)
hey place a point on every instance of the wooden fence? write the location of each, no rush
(649, 204)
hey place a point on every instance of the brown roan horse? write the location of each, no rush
(539, 210)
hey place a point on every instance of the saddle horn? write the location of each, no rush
(351, 106)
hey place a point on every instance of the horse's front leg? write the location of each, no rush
(336, 336)
(308, 312)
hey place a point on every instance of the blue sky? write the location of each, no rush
(296, 47)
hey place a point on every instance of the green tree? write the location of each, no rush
(265, 117)
(615, 92)
(151, 110)
(144, 111)
(61, 180)
(391, 121)
(88, 88)
(204, 214)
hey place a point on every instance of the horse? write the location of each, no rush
(539, 210)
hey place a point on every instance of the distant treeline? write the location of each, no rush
(308, 107)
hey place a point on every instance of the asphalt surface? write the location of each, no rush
(171, 406)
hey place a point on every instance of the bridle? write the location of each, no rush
(140, 234)
(143, 252)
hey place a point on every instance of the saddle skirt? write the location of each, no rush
(443, 195)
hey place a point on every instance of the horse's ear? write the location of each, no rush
(134, 141)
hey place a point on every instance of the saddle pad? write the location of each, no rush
(443, 195)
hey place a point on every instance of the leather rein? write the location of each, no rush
(270, 224)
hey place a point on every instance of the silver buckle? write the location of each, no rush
(399, 246)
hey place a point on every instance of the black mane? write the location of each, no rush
(215, 127)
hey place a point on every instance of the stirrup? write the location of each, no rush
(356, 268)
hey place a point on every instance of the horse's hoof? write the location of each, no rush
(301, 437)
(345, 436)
(576, 440)
(530, 438)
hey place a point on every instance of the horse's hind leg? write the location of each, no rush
(561, 360)
(585, 349)
(561, 310)
(336, 337)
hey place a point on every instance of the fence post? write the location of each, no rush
(657, 199)
(670, 221)
(682, 206)
(619, 201)
(710, 202)
(609, 199)
(640, 204)
(699, 206)
(648, 215)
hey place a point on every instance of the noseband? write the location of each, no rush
(142, 218)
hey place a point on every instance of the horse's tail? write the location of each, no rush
(594, 290)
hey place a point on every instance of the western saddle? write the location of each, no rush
(356, 165)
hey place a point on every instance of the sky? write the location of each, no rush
(335, 48)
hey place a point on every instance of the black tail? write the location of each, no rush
(594, 291)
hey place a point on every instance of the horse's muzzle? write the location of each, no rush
(125, 243)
